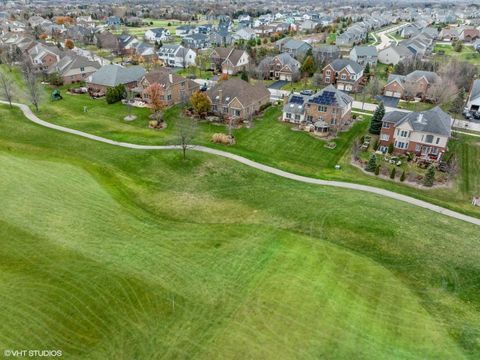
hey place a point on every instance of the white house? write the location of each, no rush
(159, 34)
(394, 54)
(177, 56)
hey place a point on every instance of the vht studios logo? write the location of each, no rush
(32, 353)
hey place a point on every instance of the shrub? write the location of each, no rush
(115, 94)
(430, 176)
(55, 79)
(375, 145)
(354, 116)
(403, 176)
(220, 138)
(372, 164)
(392, 173)
(377, 170)
(390, 148)
(265, 106)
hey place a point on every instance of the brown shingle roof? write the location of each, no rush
(246, 93)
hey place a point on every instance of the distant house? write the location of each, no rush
(221, 37)
(364, 55)
(113, 21)
(74, 68)
(281, 67)
(469, 34)
(42, 56)
(229, 60)
(395, 54)
(345, 74)
(112, 75)
(196, 41)
(297, 48)
(184, 30)
(245, 34)
(419, 83)
(159, 34)
(309, 25)
(237, 98)
(449, 34)
(106, 40)
(423, 133)
(176, 56)
(326, 110)
(326, 53)
(473, 101)
(146, 52)
(175, 89)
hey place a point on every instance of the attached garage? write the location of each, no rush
(340, 86)
(393, 94)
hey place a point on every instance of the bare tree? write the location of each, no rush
(7, 88)
(442, 92)
(185, 129)
(34, 91)
(262, 71)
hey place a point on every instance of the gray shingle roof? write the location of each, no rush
(366, 50)
(340, 98)
(113, 75)
(339, 64)
(475, 92)
(434, 121)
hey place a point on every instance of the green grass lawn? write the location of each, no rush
(415, 105)
(468, 53)
(112, 253)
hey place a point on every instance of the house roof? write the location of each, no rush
(70, 62)
(294, 44)
(287, 59)
(113, 75)
(475, 91)
(232, 88)
(339, 64)
(365, 50)
(429, 75)
(330, 96)
(434, 121)
(295, 104)
(231, 54)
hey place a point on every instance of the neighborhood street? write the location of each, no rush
(385, 40)
(378, 191)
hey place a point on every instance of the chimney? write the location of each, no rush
(170, 78)
(420, 118)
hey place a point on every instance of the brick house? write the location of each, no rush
(326, 110)
(280, 67)
(42, 57)
(423, 133)
(175, 88)
(345, 74)
(229, 60)
(112, 75)
(74, 68)
(419, 83)
(237, 98)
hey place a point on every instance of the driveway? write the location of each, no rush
(388, 101)
(278, 84)
(385, 40)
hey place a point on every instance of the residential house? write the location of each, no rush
(423, 133)
(106, 40)
(74, 68)
(325, 54)
(221, 37)
(184, 30)
(127, 44)
(419, 84)
(113, 21)
(245, 34)
(112, 75)
(469, 34)
(473, 101)
(238, 99)
(229, 60)
(146, 52)
(282, 67)
(196, 41)
(395, 54)
(43, 56)
(175, 89)
(158, 34)
(449, 34)
(345, 74)
(409, 30)
(326, 110)
(297, 48)
(364, 55)
(309, 25)
(176, 56)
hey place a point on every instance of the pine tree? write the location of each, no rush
(376, 123)
(377, 170)
(403, 176)
(372, 164)
(366, 71)
(430, 176)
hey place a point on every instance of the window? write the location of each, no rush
(434, 151)
(288, 115)
(383, 149)
(327, 79)
(309, 118)
(384, 137)
(334, 122)
(429, 139)
(344, 77)
(236, 112)
(297, 117)
(386, 125)
(322, 108)
(402, 133)
(328, 72)
(82, 69)
(401, 144)
(438, 140)
(214, 108)
(418, 148)
(225, 110)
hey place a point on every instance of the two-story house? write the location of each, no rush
(364, 55)
(297, 48)
(423, 133)
(281, 67)
(345, 74)
(326, 110)
(176, 56)
(229, 60)
(74, 68)
(196, 41)
(158, 34)
(419, 84)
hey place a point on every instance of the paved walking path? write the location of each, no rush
(345, 185)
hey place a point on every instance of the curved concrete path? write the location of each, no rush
(345, 185)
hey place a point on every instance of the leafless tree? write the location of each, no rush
(34, 91)
(262, 71)
(7, 88)
(443, 92)
(185, 129)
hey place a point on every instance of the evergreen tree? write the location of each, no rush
(393, 172)
(372, 164)
(430, 176)
(308, 66)
(244, 75)
(377, 170)
(403, 176)
(376, 123)
(366, 71)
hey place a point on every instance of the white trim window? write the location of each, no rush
(344, 77)
(328, 72)
(322, 108)
(288, 115)
(401, 144)
(386, 125)
(402, 133)
(384, 137)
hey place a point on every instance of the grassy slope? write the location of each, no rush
(468, 53)
(122, 255)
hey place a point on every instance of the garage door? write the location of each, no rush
(341, 87)
(393, 94)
